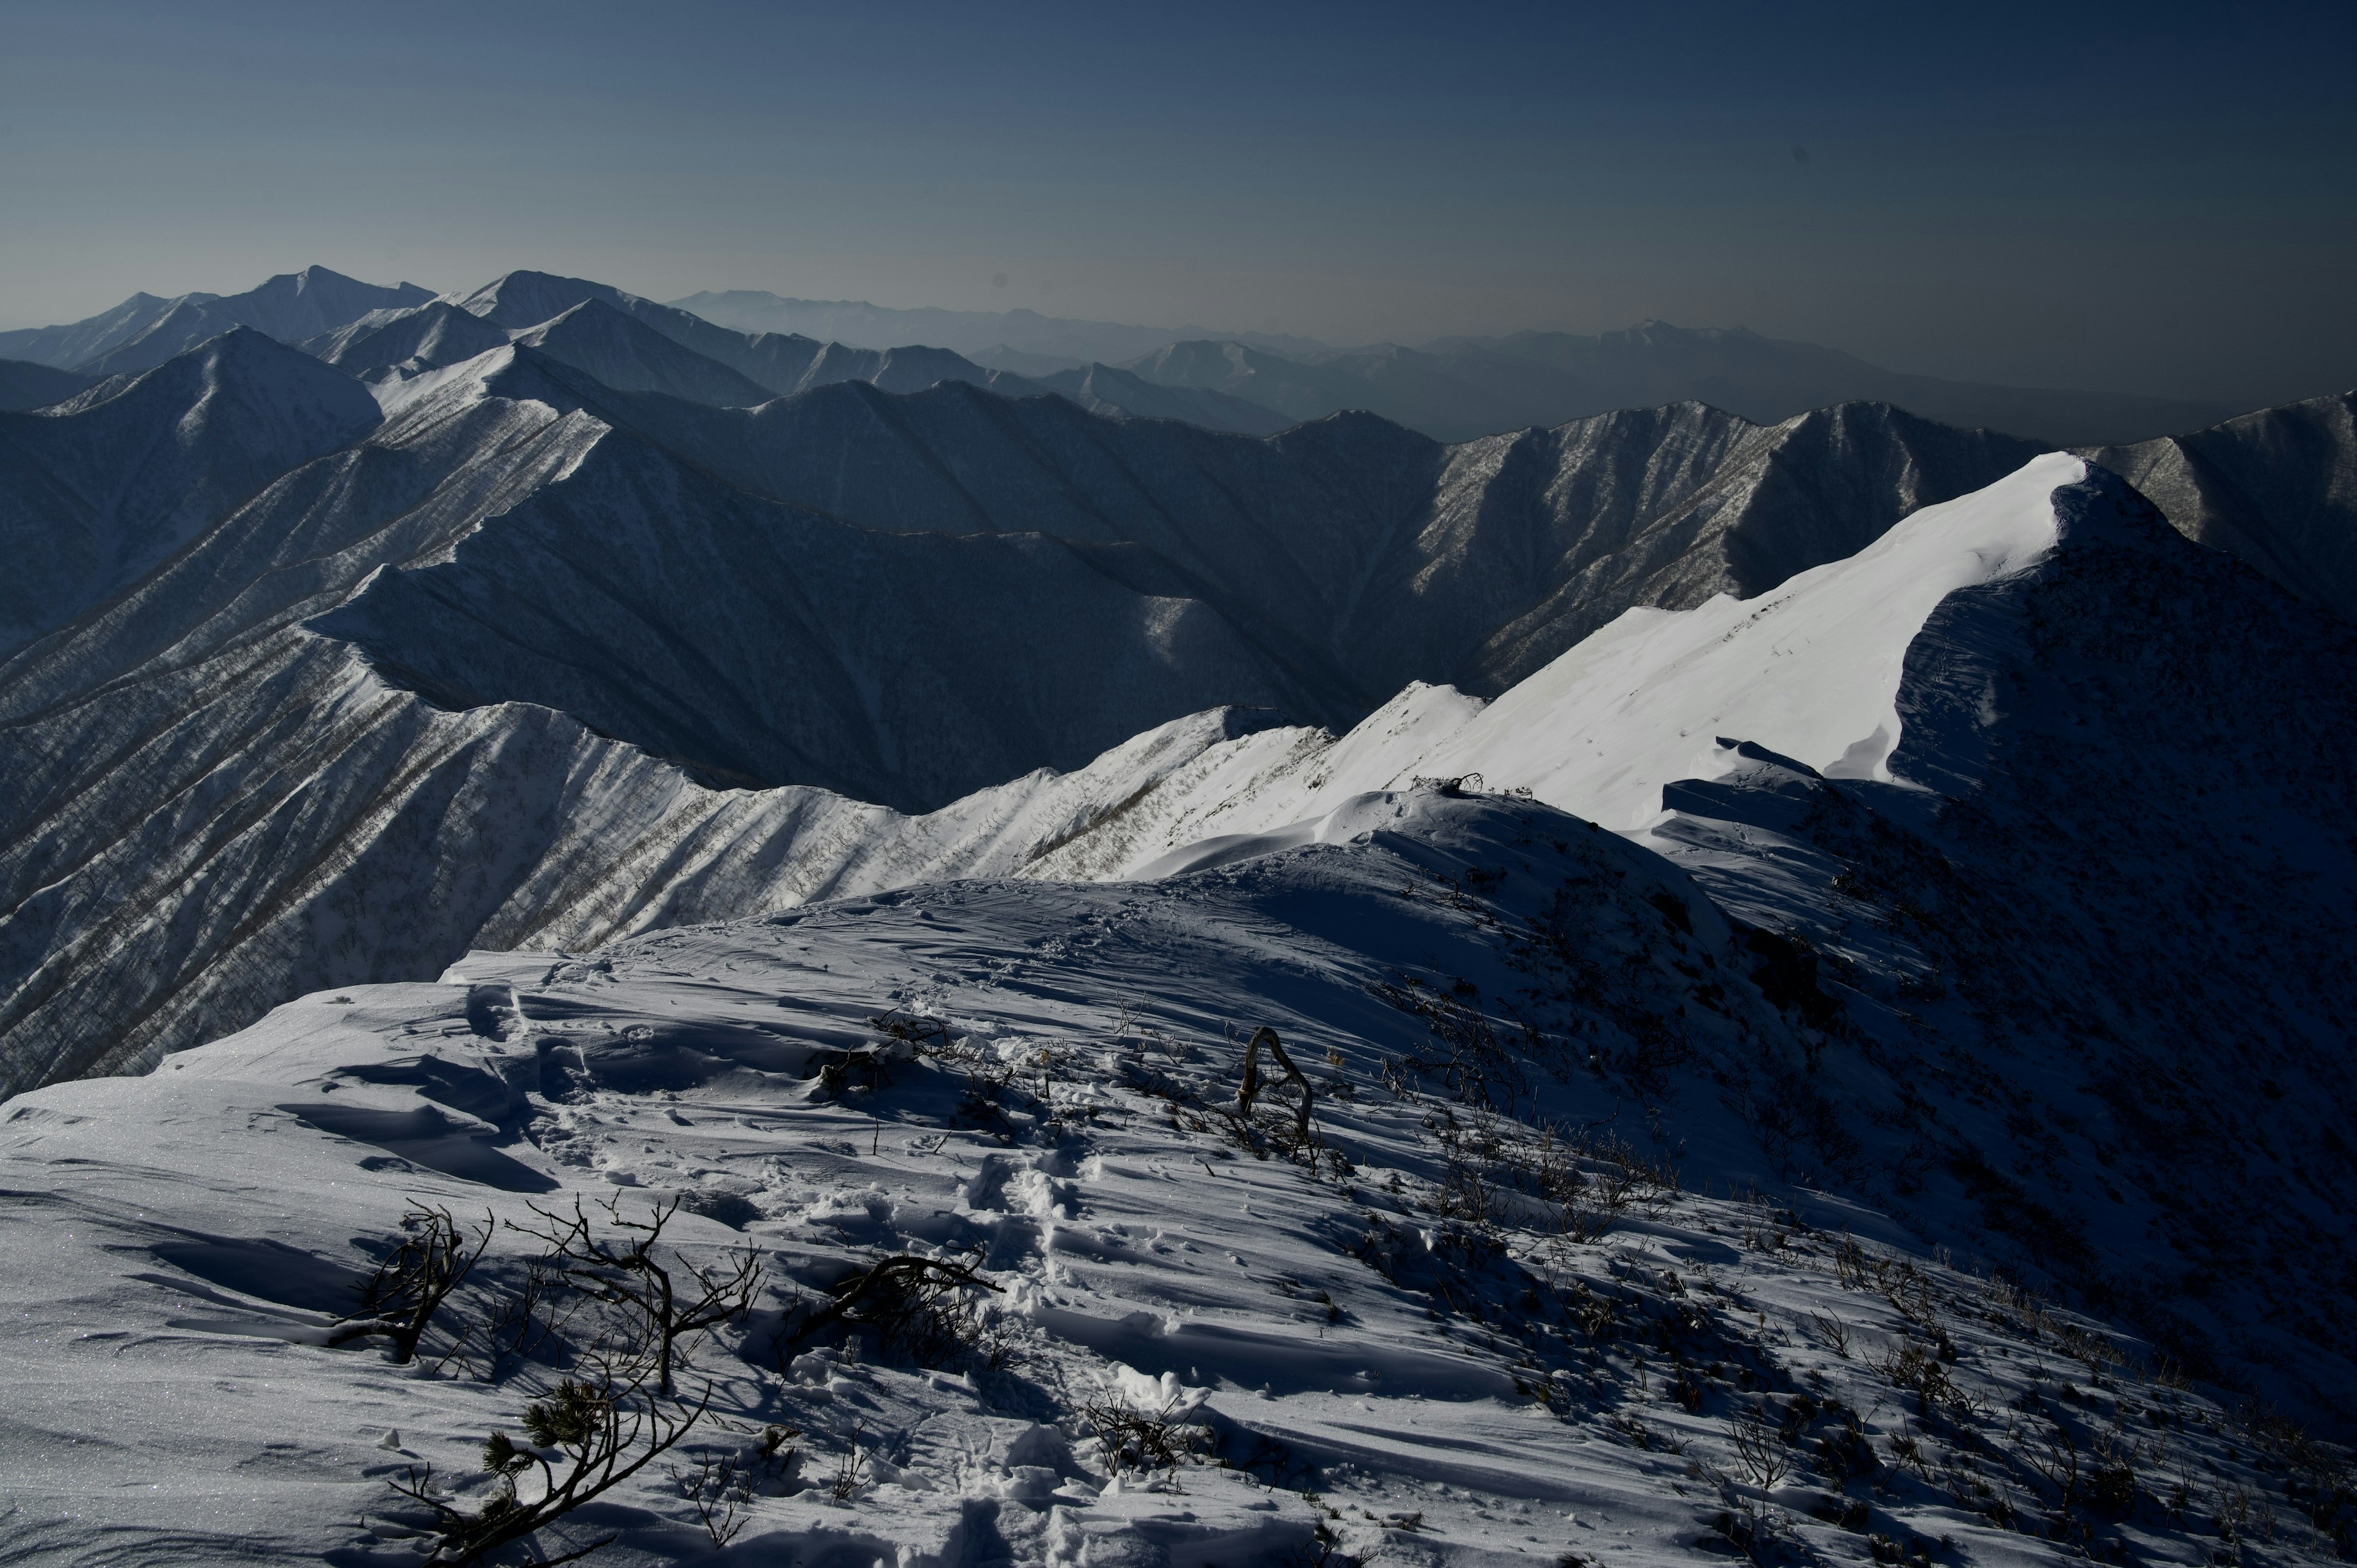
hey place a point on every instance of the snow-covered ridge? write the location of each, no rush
(1811, 670)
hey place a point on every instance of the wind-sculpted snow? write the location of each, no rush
(1486, 1309)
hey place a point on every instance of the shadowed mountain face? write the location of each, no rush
(2277, 487)
(24, 384)
(97, 492)
(1458, 389)
(1358, 555)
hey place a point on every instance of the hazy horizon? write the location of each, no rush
(2155, 201)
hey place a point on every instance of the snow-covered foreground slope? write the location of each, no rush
(1466, 1319)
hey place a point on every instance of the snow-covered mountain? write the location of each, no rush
(99, 490)
(1358, 556)
(899, 599)
(78, 342)
(2277, 487)
(24, 384)
(290, 307)
(1983, 947)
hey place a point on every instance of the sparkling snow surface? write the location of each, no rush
(1366, 1363)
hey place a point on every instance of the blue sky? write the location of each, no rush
(2148, 197)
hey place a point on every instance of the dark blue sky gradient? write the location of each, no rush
(2150, 197)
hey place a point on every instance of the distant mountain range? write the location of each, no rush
(1458, 388)
(1252, 383)
(1044, 342)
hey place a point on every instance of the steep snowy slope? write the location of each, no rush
(290, 307)
(2277, 487)
(24, 384)
(1809, 670)
(2054, 793)
(100, 488)
(1463, 1297)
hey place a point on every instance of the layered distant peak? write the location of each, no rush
(1103, 389)
(98, 490)
(520, 300)
(246, 379)
(432, 335)
(915, 368)
(24, 384)
(627, 356)
(81, 341)
(1201, 363)
(291, 307)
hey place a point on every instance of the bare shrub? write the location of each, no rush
(631, 1267)
(426, 1265)
(1143, 1441)
(1250, 1090)
(1763, 1450)
(926, 1310)
(718, 1487)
